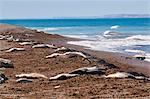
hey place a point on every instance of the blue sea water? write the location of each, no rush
(130, 35)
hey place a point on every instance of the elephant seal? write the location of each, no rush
(15, 49)
(6, 63)
(63, 76)
(126, 75)
(44, 46)
(87, 70)
(31, 75)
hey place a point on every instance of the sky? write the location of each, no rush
(24, 9)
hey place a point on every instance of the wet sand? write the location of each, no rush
(84, 86)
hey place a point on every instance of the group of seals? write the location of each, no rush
(63, 52)
(96, 70)
(78, 72)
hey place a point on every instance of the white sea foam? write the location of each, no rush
(50, 29)
(45, 28)
(135, 51)
(112, 45)
(77, 36)
(139, 37)
(114, 27)
(147, 57)
(109, 33)
(86, 37)
(106, 32)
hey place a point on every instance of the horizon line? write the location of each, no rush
(110, 16)
(71, 18)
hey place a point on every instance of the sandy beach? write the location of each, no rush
(85, 86)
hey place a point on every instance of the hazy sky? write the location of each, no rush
(10, 9)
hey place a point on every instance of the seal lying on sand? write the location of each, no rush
(125, 75)
(11, 38)
(87, 70)
(6, 37)
(77, 72)
(2, 78)
(15, 49)
(70, 54)
(26, 43)
(140, 57)
(6, 63)
(65, 54)
(63, 76)
(31, 75)
(64, 49)
(2, 37)
(44, 46)
(24, 80)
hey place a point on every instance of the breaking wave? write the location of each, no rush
(116, 45)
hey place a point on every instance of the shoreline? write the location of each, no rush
(85, 86)
(119, 58)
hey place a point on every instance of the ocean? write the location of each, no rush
(123, 35)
